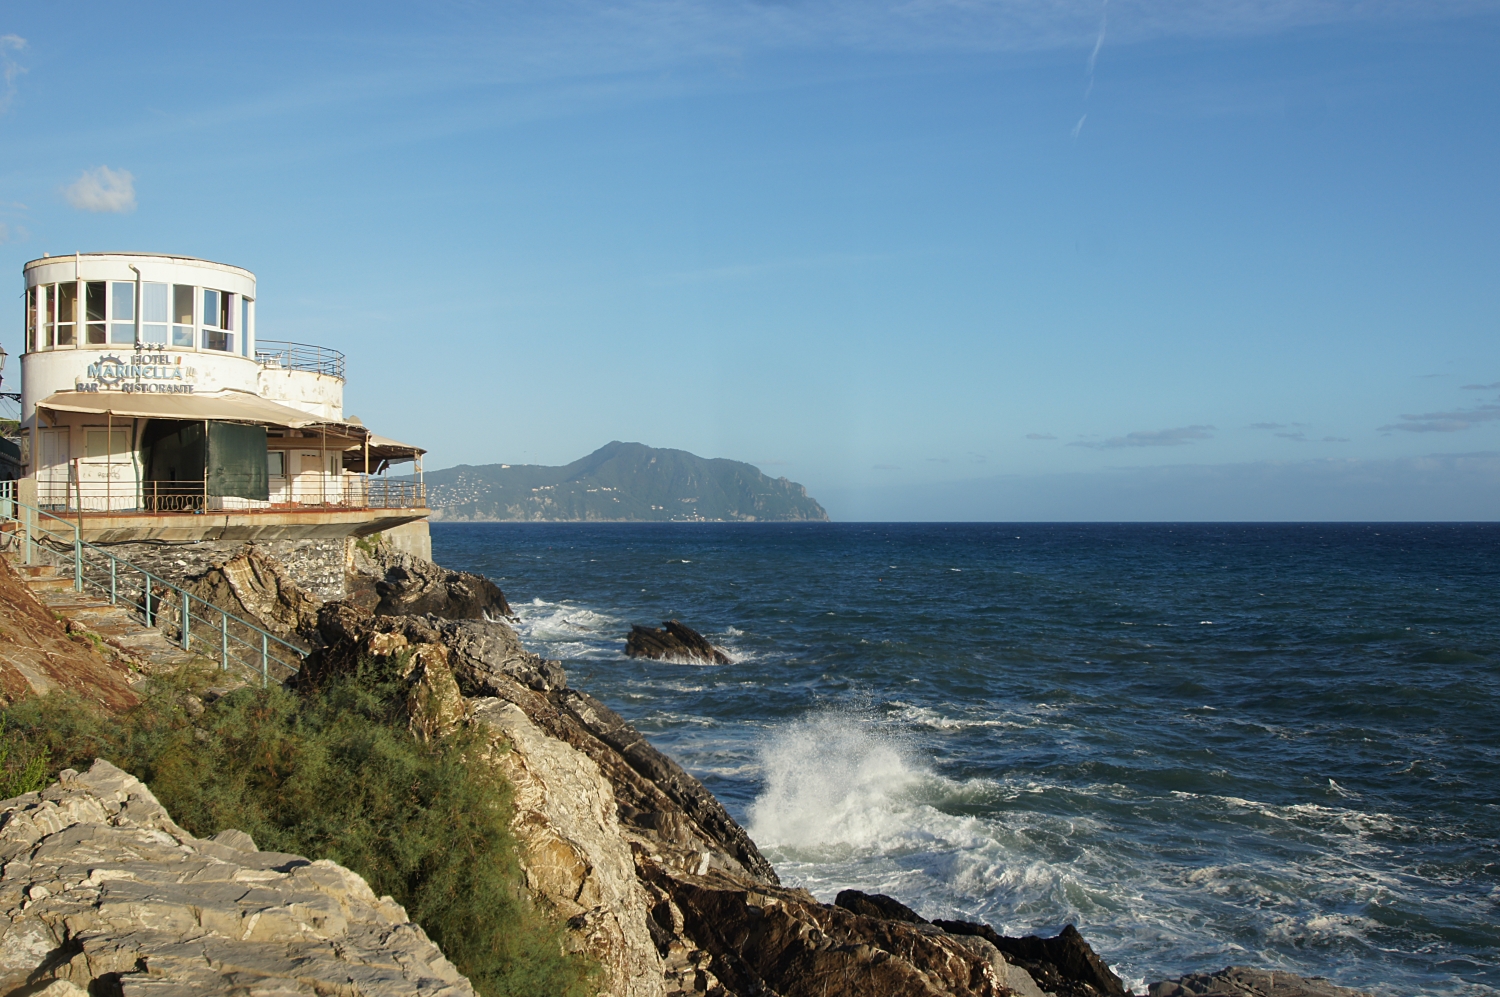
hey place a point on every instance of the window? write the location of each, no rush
(216, 334)
(182, 315)
(154, 313)
(276, 463)
(93, 310)
(94, 442)
(244, 325)
(66, 314)
(122, 312)
(33, 296)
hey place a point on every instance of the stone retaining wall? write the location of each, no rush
(316, 565)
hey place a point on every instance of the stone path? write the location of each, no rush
(120, 631)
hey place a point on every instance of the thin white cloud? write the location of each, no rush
(1301, 437)
(102, 189)
(9, 68)
(1444, 422)
(1160, 438)
(1481, 387)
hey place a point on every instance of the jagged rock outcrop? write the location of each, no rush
(1064, 965)
(484, 651)
(393, 583)
(1241, 981)
(253, 586)
(103, 894)
(673, 642)
(576, 858)
(40, 653)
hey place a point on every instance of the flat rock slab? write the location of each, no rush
(98, 884)
(1242, 981)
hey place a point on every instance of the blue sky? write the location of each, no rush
(1016, 259)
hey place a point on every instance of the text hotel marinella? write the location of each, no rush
(159, 373)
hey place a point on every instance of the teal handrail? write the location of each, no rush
(255, 650)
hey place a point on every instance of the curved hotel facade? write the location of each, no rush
(152, 409)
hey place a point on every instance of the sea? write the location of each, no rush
(1204, 745)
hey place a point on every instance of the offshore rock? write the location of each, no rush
(102, 893)
(673, 642)
(1241, 981)
(1065, 965)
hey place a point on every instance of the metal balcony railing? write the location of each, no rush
(348, 490)
(299, 356)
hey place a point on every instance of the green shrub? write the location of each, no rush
(24, 765)
(334, 774)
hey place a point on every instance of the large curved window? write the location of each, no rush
(93, 312)
(154, 312)
(182, 315)
(84, 313)
(65, 315)
(216, 321)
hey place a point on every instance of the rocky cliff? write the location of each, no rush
(103, 894)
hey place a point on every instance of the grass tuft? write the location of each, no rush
(331, 773)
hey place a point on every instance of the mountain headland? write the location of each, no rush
(620, 482)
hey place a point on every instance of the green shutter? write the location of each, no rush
(237, 461)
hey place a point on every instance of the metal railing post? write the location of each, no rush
(30, 517)
(187, 620)
(113, 587)
(265, 661)
(146, 584)
(223, 641)
(78, 562)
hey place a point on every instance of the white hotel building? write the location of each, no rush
(151, 410)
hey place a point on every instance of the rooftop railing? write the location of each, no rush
(299, 356)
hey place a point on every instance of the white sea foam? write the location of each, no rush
(832, 785)
(848, 801)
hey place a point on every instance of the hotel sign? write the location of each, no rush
(156, 373)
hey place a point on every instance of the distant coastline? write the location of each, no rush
(619, 483)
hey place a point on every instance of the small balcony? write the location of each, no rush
(278, 355)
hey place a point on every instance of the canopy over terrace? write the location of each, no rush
(223, 406)
(190, 452)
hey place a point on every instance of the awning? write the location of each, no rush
(223, 406)
(383, 452)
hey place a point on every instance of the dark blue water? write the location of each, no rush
(1205, 744)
